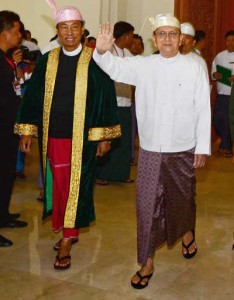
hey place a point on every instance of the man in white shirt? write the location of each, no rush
(221, 111)
(173, 114)
(136, 48)
(117, 163)
(187, 44)
(26, 41)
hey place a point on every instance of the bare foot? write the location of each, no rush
(129, 180)
(63, 259)
(101, 181)
(188, 244)
(58, 244)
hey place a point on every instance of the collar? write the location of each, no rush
(74, 52)
(170, 59)
(197, 51)
(118, 51)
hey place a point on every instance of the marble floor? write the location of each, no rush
(105, 257)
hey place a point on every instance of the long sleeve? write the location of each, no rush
(203, 114)
(29, 117)
(101, 117)
(119, 69)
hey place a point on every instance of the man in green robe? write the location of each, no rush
(70, 104)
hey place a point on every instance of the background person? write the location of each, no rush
(116, 165)
(221, 110)
(200, 45)
(187, 45)
(10, 92)
(136, 48)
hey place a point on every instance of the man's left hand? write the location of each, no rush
(231, 78)
(103, 148)
(17, 56)
(199, 160)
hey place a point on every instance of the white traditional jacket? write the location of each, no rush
(172, 100)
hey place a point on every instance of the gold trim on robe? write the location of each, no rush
(78, 124)
(77, 136)
(50, 77)
(26, 129)
(104, 133)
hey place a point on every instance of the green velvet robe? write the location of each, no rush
(100, 123)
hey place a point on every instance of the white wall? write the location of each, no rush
(37, 15)
(138, 13)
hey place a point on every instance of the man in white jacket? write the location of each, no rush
(173, 114)
(187, 45)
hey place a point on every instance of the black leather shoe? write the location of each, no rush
(14, 224)
(13, 216)
(5, 242)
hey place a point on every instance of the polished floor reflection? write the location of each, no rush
(105, 257)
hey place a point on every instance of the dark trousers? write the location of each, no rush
(221, 121)
(115, 165)
(8, 154)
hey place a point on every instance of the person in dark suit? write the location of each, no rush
(10, 93)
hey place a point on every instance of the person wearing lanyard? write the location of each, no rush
(9, 102)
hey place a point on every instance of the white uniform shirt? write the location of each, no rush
(200, 60)
(172, 100)
(30, 45)
(224, 59)
(123, 91)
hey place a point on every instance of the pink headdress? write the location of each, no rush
(66, 13)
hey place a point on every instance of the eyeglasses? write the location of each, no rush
(162, 35)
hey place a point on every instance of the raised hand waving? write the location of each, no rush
(105, 38)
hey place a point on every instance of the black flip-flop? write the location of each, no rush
(138, 285)
(187, 254)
